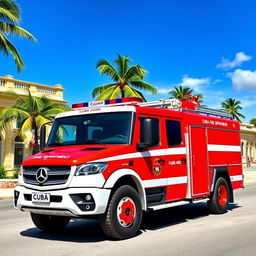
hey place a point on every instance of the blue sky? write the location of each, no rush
(207, 45)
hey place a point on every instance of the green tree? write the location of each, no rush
(180, 92)
(253, 121)
(33, 112)
(127, 80)
(9, 25)
(233, 107)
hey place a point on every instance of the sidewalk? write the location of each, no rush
(249, 178)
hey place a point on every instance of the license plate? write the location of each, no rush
(40, 197)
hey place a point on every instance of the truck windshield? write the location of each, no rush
(103, 128)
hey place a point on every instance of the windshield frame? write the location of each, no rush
(129, 141)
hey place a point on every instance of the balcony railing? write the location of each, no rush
(8, 83)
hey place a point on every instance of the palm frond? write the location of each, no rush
(7, 47)
(12, 7)
(116, 93)
(98, 90)
(180, 92)
(140, 94)
(131, 92)
(135, 73)
(25, 126)
(15, 30)
(7, 15)
(144, 86)
(106, 68)
(122, 64)
(40, 120)
(106, 94)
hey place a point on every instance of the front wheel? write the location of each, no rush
(219, 200)
(50, 223)
(123, 215)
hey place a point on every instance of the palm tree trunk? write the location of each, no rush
(35, 144)
(122, 92)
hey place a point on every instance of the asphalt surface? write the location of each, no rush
(185, 230)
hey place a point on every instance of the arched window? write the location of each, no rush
(18, 151)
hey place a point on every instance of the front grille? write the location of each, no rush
(57, 175)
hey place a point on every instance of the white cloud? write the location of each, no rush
(248, 101)
(195, 83)
(243, 79)
(165, 90)
(237, 61)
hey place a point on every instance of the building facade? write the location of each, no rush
(13, 149)
(248, 144)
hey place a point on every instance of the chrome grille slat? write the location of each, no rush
(57, 175)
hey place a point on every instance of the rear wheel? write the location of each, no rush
(123, 215)
(50, 223)
(220, 198)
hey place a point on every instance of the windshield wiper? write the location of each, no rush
(54, 144)
(88, 142)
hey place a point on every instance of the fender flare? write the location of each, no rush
(114, 177)
(222, 172)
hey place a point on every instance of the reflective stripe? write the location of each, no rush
(223, 148)
(165, 182)
(236, 178)
(157, 152)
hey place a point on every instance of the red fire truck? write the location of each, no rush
(114, 159)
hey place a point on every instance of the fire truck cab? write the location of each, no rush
(114, 159)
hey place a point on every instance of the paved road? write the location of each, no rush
(185, 230)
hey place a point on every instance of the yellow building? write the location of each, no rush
(248, 144)
(12, 148)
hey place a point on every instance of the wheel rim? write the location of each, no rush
(222, 195)
(126, 212)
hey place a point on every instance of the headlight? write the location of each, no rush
(90, 168)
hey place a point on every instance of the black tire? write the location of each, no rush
(123, 216)
(220, 197)
(50, 223)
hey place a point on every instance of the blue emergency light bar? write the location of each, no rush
(106, 102)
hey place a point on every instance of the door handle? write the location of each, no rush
(183, 160)
(161, 161)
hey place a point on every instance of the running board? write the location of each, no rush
(177, 203)
(163, 206)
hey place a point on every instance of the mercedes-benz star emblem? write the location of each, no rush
(42, 175)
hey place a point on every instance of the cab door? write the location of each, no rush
(175, 164)
(199, 162)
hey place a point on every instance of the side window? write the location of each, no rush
(173, 131)
(155, 131)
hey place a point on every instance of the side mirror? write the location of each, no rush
(146, 136)
(43, 135)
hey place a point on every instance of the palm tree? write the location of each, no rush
(180, 92)
(232, 106)
(33, 112)
(9, 21)
(127, 80)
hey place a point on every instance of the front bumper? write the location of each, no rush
(63, 204)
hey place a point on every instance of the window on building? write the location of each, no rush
(18, 122)
(242, 148)
(173, 131)
(18, 151)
